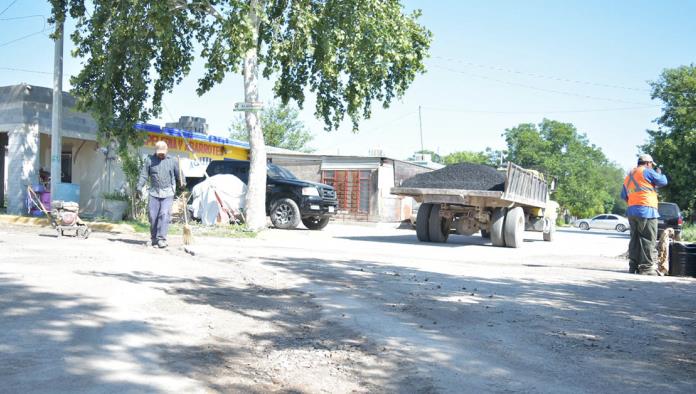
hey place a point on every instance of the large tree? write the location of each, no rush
(588, 183)
(281, 126)
(349, 54)
(673, 144)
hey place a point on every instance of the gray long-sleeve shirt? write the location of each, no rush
(162, 173)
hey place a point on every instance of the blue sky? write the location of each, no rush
(493, 65)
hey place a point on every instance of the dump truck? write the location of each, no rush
(524, 204)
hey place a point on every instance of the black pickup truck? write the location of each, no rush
(288, 200)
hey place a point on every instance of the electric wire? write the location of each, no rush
(541, 76)
(25, 70)
(14, 18)
(562, 92)
(618, 109)
(22, 38)
(8, 7)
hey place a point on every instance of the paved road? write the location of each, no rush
(349, 309)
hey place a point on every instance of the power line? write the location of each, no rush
(8, 7)
(14, 18)
(406, 115)
(445, 109)
(542, 76)
(22, 38)
(25, 70)
(538, 88)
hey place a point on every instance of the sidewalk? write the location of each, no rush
(103, 227)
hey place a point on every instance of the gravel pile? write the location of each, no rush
(460, 176)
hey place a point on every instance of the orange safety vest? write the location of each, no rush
(639, 190)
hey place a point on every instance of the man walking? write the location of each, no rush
(162, 171)
(640, 191)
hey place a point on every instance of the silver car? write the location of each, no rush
(605, 222)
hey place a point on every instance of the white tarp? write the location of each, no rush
(193, 168)
(231, 191)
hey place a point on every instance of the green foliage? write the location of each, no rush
(673, 144)
(230, 231)
(131, 163)
(116, 196)
(350, 54)
(688, 233)
(588, 183)
(488, 157)
(281, 128)
(465, 157)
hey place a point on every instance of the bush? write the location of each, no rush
(117, 196)
(689, 233)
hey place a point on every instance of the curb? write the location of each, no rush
(43, 222)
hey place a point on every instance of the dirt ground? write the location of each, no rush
(348, 309)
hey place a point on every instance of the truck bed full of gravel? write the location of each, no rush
(466, 176)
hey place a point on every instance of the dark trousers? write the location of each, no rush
(160, 215)
(642, 250)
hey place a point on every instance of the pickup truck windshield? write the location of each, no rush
(275, 171)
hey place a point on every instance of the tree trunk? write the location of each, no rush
(256, 192)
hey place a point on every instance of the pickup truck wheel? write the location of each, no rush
(514, 227)
(315, 222)
(285, 213)
(438, 227)
(422, 222)
(497, 226)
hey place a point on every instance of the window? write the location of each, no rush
(352, 189)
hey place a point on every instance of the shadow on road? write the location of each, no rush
(50, 342)
(629, 334)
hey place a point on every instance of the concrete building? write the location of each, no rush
(363, 183)
(25, 149)
(25, 130)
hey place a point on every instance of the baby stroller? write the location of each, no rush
(63, 216)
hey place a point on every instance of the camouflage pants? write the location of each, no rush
(642, 250)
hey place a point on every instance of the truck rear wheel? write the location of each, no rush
(497, 226)
(422, 222)
(438, 227)
(514, 227)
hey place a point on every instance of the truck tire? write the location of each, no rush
(497, 226)
(549, 234)
(315, 222)
(438, 227)
(422, 222)
(285, 214)
(514, 227)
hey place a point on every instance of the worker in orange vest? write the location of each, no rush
(640, 191)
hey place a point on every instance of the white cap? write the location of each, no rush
(161, 147)
(645, 158)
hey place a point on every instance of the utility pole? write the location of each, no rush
(57, 110)
(420, 121)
